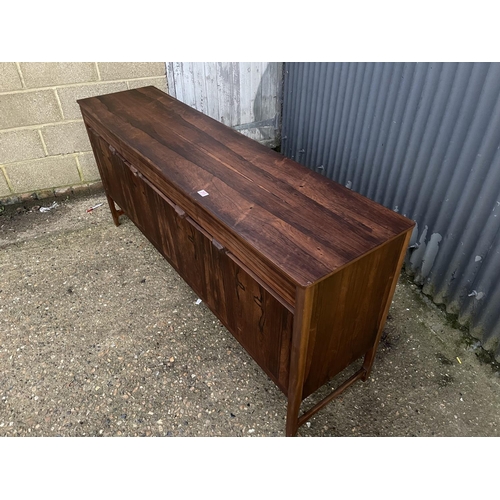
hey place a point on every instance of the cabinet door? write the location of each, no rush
(261, 324)
(110, 175)
(153, 214)
(256, 318)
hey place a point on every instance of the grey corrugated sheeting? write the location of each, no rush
(243, 95)
(422, 139)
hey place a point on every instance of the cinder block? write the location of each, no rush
(96, 187)
(80, 189)
(158, 82)
(69, 96)
(129, 70)
(36, 175)
(48, 74)
(9, 77)
(4, 188)
(10, 200)
(18, 145)
(89, 168)
(28, 108)
(27, 197)
(63, 192)
(65, 138)
(44, 193)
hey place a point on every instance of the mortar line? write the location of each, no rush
(59, 103)
(7, 180)
(43, 142)
(98, 72)
(79, 168)
(23, 83)
(32, 160)
(36, 127)
(79, 84)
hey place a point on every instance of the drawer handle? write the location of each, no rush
(199, 228)
(179, 211)
(133, 170)
(218, 245)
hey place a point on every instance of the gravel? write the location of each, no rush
(99, 336)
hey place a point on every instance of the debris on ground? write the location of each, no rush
(87, 349)
(91, 209)
(49, 208)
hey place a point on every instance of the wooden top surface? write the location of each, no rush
(303, 223)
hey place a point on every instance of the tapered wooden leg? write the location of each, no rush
(292, 418)
(370, 355)
(114, 212)
(298, 357)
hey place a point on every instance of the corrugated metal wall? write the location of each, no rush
(422, 139)
(245, 96)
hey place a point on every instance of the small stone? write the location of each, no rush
(251, 431)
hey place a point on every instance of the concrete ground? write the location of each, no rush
(100, 337)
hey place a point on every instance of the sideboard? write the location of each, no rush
(300, 269)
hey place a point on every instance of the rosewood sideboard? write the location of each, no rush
(300, 269)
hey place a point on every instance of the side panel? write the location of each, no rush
(347, 313)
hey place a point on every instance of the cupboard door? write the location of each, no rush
(258, 321)
(153, 213)
(256, 317)
(111, 177)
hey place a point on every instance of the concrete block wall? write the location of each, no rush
(44, 148)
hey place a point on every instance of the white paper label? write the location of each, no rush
(203, 193)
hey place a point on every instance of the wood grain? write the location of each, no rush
(322, 224)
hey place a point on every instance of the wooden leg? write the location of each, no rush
(370, 355)
(339, 390)
(114, 212)
(298, 357)
(292, 417)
